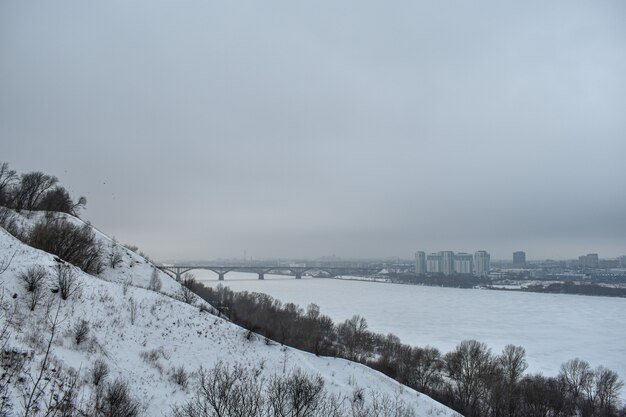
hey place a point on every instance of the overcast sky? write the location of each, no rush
(200, 129)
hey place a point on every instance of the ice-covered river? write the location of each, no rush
(552, 327)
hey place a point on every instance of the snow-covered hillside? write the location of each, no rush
(164, 334)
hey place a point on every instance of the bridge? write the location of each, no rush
(177, 271)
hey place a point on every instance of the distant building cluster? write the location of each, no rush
(519, 259)
(450, 263)
(590, 260)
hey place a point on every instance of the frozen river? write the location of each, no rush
(551, 327)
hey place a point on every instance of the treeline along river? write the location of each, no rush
(553, 328)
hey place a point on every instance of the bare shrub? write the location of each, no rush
(186, 295)
(237, 391)
(12, 363)
(297, 394)
(34, 391)
(204, 308)
(75, 244)
(125, 286)
(33, 280)
(5, 262)
(58, 199)
(225, 391)
(152, 357)
(117, 401)
(133, 307)
(81, 330)
(67, 281)
(99, 372)
(155, 281)
(379, 405)
(131, 248)
(9, 221)
(179, 376)
(115, 257)
(189, 281)
(33, 277)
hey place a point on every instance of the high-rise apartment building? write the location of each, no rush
(420, 263)
(447, 262)
(519, 259)
(481, 264)
(463, 263)
(433, 263)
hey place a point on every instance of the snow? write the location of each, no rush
(553, 328)
(182, 334)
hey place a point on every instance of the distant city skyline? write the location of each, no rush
(330, 258)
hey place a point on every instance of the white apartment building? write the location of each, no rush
(482, 263)
(463, 263)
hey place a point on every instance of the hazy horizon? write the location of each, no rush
(180, 261)
(360, 129)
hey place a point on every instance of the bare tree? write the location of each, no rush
(56, 199)
(31, 188)
(354, 336)
(607, 387)
(78, 206)
(185, 293)
(576, 375)
(511, 364)
(425, 368)
(8, 178)
(470, 366)
(67, 281)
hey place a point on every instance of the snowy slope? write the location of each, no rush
(179, 334)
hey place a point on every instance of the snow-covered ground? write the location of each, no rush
(179, 335)
(552, 327)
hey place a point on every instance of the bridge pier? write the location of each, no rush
(261, 275)
(220, 276)
(298, 275)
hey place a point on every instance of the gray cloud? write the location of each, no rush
(354, 128)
